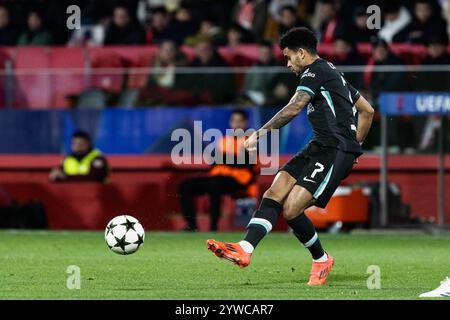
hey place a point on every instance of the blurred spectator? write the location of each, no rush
(346, 54)
(35, 34)
(166, 85)
(207, 30)
(218, 86)
(236, 179)
(144, 10)
(359, 31)
(168, 59)
(437, 55)
(183, 24)
(123, 30)
(377, 82)
(84, 163)
(436, 81)
(55, 19)
(89, 35)
(97, 10)
(219, 11)
(330, 23)
(237, 35)
(275, 7)
(159, 29)
(234, 36)
(8, 34)
(425, 24)
(396, 17)
(251, 15)
(446, 13)
(289, 20)
(147, 7)
(267, 87)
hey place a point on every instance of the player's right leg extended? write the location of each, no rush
(259, 226)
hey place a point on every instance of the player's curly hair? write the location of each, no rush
(297, 38)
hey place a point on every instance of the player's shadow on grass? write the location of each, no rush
(348, 278)
(334, 279)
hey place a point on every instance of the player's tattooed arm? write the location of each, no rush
(293, 108)
(365, 116)
(285, 115)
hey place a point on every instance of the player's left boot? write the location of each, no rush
(231, 251)
(320, 272)
(442, 291)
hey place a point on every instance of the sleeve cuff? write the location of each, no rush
(306, 89)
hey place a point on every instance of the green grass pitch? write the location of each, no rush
(178, 266)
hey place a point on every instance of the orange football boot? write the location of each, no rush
(320, 272)
(230, 251)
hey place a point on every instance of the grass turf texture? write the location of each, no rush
(178, 266)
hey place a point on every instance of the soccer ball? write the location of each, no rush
(124, 234)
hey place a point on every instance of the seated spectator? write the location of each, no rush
(396, 17)
(432, 80)
(88, 35)
(8, 34)
(237, 35)
(289, 20)
(183, 24)
(222, 179)
(146, 8)
(275, 7)
(170, 87)
(168, 58)
(207, 30)
(122, 30)
(267, 87)
(35, 34)
(425, 23)
(330, 22)
(445, 8)
(158, 29)
(251, 15)
(360, 32)
(377, 82)
(217, 88)
(83, 164)
(437, 55)
(346, 54)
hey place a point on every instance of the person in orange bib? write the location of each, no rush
(225, 178)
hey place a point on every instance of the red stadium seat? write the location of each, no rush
(242, 56)
(5, 55)
(104, 78)
(37, 84)
(137, 79)
(66, 82)
(32, 88)
(189, 52)
(120, 58)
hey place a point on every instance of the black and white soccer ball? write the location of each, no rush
(124, 234)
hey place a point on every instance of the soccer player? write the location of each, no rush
(311, 176)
